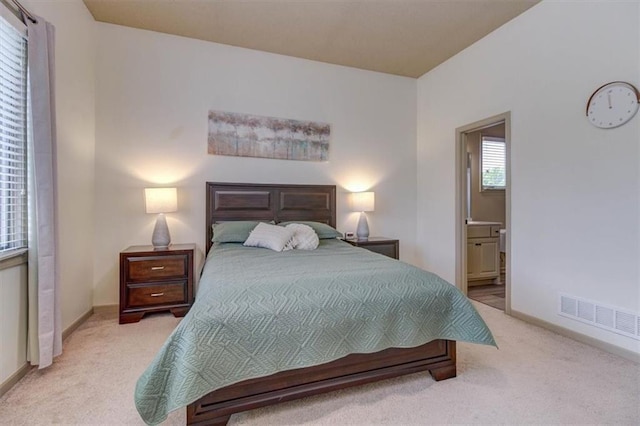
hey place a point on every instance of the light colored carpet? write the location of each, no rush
(535, 377)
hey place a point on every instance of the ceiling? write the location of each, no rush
(401, 37)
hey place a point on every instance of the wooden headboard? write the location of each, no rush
(266, 202)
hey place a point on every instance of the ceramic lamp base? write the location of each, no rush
(362, 232)
(161, 237)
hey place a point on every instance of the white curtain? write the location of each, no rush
(45, 328)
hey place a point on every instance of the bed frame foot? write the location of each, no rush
(130, 317)
(180, 312)
(443, 373)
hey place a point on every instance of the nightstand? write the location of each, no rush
(381, 245)
(155, 280)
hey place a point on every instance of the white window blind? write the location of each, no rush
(493, 160)
(13, 137)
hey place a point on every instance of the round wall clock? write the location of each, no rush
(613, 104)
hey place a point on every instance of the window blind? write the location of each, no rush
(493, 156)
(13, 137)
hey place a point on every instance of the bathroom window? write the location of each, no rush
(492, 163)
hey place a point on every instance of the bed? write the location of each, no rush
(268, 327)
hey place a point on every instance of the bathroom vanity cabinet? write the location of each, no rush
(483, 255)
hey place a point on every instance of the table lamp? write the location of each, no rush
(362, 202)
(161, 201)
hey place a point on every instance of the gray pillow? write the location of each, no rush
(233, 232)
(323, 230)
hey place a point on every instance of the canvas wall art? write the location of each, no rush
(244, 135)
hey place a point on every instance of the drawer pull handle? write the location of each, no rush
(157, 268)
(157, 294)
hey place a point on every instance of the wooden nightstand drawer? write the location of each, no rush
(381, 245)
(159, 294)
(156, 268)
(386, 249)
(156, 280)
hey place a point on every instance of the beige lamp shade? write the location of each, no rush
(161, 200)
(362, 201)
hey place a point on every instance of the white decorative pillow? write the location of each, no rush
(304, 237)
(269, 236)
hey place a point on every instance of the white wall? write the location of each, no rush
(154, 92)
(575, 188)
(75, 109)
(13, 320)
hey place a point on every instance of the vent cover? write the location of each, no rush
(602, 316)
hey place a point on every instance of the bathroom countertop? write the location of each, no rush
(484, 223)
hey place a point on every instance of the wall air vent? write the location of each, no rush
(605, 316)
(626, 322)
(568, 306)
(586, 310)
(610, 318)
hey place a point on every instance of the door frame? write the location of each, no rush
(461, 200)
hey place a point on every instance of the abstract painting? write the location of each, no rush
(243, 135)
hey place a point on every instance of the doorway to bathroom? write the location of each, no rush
(483, 213)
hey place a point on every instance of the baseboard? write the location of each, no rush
(106, 309)
(100, 309)
(77, 323)
(15, 378)
(582, 338)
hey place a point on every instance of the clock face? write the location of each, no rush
(612, 105)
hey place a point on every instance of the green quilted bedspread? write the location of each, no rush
(258, 312)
